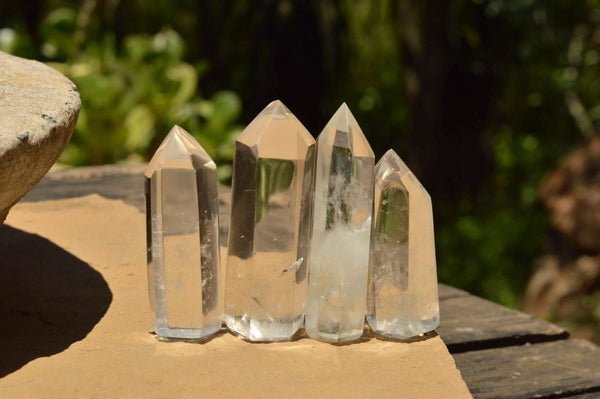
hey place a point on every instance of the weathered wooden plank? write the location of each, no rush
(447, 292)
(111, 181)
(546, 370)
(471, 323)
(115, 182)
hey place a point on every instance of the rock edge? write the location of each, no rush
(39, 108)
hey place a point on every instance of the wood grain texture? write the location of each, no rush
(546, 370)
(471, 323)
(124, 183)
(447, 292)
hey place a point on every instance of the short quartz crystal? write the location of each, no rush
(341, 231)
(403, 292)
(182, 238)
(269, 231)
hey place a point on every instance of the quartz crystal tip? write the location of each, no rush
(337, 286)
(272, 188)
(182, 238)
(343, 131)
(178, 145)
(277, 132)
(403, 292)
(277, 110)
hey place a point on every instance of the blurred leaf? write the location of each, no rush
(169, 43)
(139, 123)
(8, 40)
(226, 109)
(185, 76)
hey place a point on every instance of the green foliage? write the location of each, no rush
(133, 95)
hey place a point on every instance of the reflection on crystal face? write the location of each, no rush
(182, 238)
(403, 296)
(339, 260)
(270, 225)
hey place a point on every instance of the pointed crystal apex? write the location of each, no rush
(343, 130)
(391, 166)
(276, 110)
(394, 162)
(276, 133)
(179, 145)
(343, 119)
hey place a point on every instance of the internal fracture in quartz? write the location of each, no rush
(182, 237)
(337, 287)
(270, 226)
(403, 292)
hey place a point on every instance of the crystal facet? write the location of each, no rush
(182, 238)
(270, 226)
(337, 287)
(403, 294)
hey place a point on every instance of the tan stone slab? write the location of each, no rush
(120, 358)
(38, 112)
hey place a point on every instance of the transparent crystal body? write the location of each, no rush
(337, 286)
(403, 292)
(182, 239)
(269, 231)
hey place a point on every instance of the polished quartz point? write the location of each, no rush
(270, 226)
(403, 292)
(337, 287)
(182, 237)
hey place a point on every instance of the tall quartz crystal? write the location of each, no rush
(403, 292)
(182, 237)
(337, 287)
(270, 226)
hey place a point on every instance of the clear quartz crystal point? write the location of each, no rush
(270, 226)
(403, 292)
(182, 237)
(337, 287)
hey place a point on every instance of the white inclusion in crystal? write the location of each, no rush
(403, 292)
(339, 260)
(182, 239)
(269, 226)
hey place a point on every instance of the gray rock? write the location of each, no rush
(38, 112)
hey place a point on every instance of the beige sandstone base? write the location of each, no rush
(120, 358)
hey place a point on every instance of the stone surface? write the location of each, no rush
(38, 112)
(403, 291)
(120, 358)
(337, 286)
(269, 226)
(182, 225)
